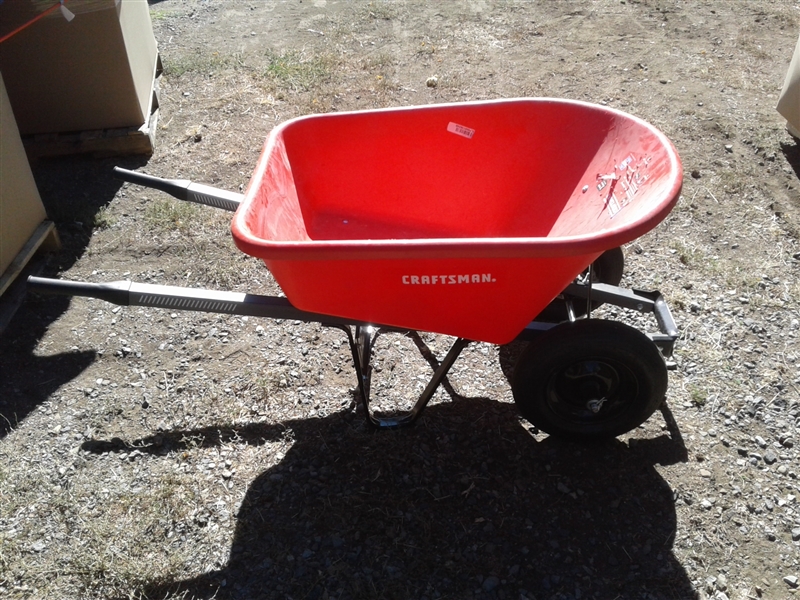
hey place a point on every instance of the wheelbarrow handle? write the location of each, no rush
(129, 293)
(183, 189)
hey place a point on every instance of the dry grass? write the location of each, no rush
(166, 215)
(297, 71)
(205, 63)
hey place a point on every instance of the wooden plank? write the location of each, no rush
(109, 142)
(45, 237)
(13, 297)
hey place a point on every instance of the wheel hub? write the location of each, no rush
(584, 387)
(595, 405)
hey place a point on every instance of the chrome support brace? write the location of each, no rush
(361, 342)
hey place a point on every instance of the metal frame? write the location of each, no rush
(360, 335)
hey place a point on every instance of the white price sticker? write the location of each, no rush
(460, 130)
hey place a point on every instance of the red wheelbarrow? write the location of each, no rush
(488, 221)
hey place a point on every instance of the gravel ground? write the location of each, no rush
(152, 454)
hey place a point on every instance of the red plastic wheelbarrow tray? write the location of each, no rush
(463, 219)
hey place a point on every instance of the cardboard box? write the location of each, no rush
(789, 100)
(94, 72)
(21, 210)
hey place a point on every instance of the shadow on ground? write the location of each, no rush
(73, 191)
(792, 154)
(353, 513)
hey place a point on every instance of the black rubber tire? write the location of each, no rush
(576, 364)
(607, 268)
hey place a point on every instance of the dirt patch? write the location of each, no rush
(151, 453)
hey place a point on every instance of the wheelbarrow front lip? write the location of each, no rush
(435, 248)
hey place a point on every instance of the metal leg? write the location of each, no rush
(437, 378)
(589, 278)
(570, 309)
(361, 348)
(362, 357)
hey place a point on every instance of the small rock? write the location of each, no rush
(696, 174)
(432, 82)
(705, 473)
(770, 457)
(728, 147)
(796, 534)
(722, 583)
(762, 443)
(490, 583)
(790, 580)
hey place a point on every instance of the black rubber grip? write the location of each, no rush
(116, 292)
